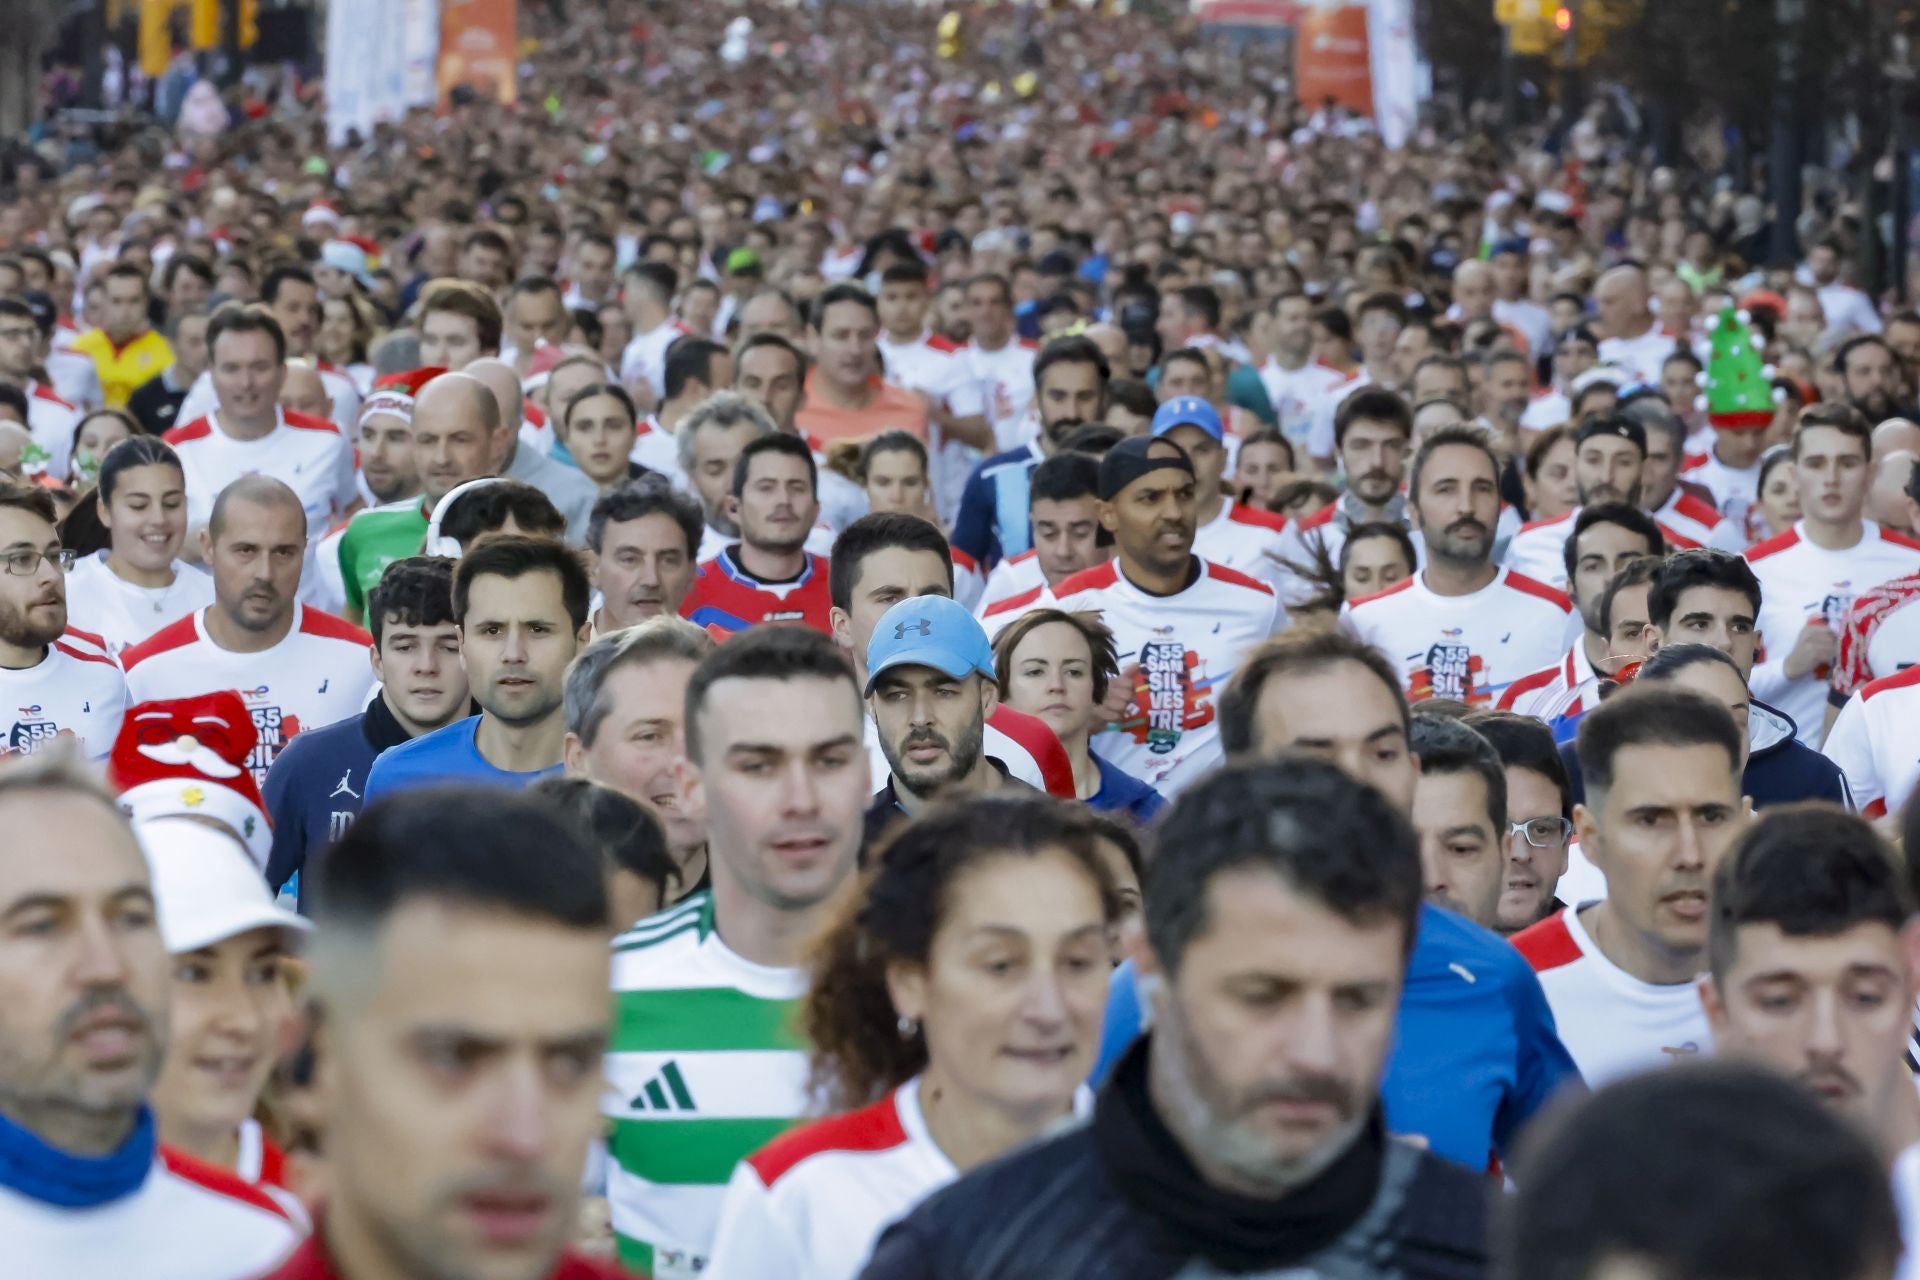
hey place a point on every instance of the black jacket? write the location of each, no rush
(1057, 1211)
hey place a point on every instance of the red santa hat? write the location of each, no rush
(396, 393)
(320, 213)
(188, 757)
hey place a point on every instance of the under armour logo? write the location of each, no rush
(923, 628)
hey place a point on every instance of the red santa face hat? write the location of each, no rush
(187, 757)
(396, 393)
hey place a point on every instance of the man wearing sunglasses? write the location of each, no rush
(1539, 817)
(54, 683)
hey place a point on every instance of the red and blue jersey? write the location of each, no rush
(725, 595)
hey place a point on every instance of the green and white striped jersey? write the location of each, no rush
(706, 1067)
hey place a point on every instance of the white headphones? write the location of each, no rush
(438, 544)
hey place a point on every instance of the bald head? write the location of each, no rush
(258, 491)
(303, 392)
(1473, 289)
(499, 378)
(457, 398)
(1895, 435)
(1888, 501)
(1621, 297)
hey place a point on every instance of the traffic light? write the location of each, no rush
(246, 23)
(203, 24)
(1563, 19)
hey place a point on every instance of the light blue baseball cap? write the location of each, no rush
(1188, 411)
(929, 631)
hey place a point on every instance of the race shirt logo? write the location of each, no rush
(31, 731)
(1835, 605)
(1451, 672)
(274, 727)
(1167, 698)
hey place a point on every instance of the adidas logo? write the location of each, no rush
(665, 1092)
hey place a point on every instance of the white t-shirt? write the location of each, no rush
(1567, 688)
(1906, 1199)
(1247, 539)
(186, 1221)
(122, 613)
(1876, 742)
(658, 449)
(645, 356)
(1800, 583)
(51, 421)
(1539, 549)
(1297, 396)
(1467, 647)
(1848, 310)
(810, 1204)
(317, 675)
(1686, 522)
(999, 384)
(942, 369)
(1321, 440)
(1187, 645)
(1642, 356)
(1611, 1022)
(1011, 579)
(341, 390)
(1533, 321)
(1735, 490)
(75, 691)
(308, 454)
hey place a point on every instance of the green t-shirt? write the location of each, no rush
(374, 539)
(706, 1066)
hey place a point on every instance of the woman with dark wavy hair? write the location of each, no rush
(956, 1006)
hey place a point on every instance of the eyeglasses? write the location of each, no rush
(24, 564)
(1543, 833)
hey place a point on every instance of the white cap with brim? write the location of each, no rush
(206, 888)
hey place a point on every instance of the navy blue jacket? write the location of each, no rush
(316, 784)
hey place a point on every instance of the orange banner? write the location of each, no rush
(478, 40)
(1330, 56)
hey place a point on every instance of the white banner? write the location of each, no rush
(1395, 61)
(368, 62)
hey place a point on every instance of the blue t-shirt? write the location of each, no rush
(1121, 792)
(993, 522)
(1475, 1055)
(448, 755)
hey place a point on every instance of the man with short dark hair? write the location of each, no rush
(846, 397)
(1069, 390)
(290, 296)
(249, 432)
(1680, 1173)
(533, 314)
(58, 683)
(1460, 815)
(1181, 624)
(1377, 324)
(773, 727)
(123, 345)
(1605, 538)
(1663, 804)
(1539, 817)
(316, 786)
(647, 296)
(85, 1188)
(296, 667)
(1282, 907)
(51, 419)
(462, 989)
(1461, 628)
(1810, 574)
(1812, 973)
(768, 575)
(1371, 434)
(1063, 510)
(521, 606)
(644, 535)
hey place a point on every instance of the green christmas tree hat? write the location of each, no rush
(1738, 383)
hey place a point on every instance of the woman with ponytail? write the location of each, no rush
(954, 1013)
